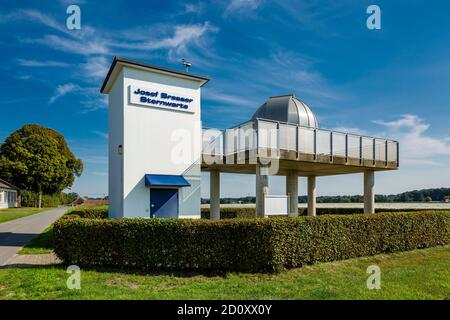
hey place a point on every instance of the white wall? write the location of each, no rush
(8, 198)
(3, 201)
(150, 137)
(115, 122)
(276, 204)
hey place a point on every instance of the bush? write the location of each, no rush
(30, 199)
(249, 212)
(231, 213)
(98, 212)
(248, 245)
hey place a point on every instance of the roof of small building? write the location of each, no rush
(120, 61)
(288, 109)
(6, 185)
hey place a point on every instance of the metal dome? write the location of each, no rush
(287, 109)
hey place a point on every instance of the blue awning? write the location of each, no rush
(165, 180)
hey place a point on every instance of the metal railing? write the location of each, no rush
(267, 134)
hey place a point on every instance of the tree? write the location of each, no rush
(428, 199)
(37, 159)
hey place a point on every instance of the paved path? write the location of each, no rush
(27, 260)
(17, 233)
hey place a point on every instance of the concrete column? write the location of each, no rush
(312, 196)
(292, 191)
(214, 195)
(369, 192)
(262, 188)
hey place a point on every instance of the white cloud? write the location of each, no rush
(94, 102)
(86, 46)
(182, 36)
(62, 90)
(45, 63)
(286, 72)
(192, 8)
(176, 41)
(415, 143)
(95, 159)
(224, 98)
(100, 174)
(96, 68)
(24, 76)
(353, 130)
(240, 6)
(101, 134)
(34, 16)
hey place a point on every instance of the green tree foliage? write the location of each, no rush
(37, 159)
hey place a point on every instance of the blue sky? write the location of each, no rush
(392, 82)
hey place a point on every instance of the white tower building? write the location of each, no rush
(154, 140)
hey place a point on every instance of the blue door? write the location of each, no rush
(163, 203)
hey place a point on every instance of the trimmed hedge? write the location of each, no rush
(249, 212)
(249, 245)
(89, 212)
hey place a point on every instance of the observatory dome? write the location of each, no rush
(287, 109)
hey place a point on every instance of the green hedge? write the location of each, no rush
(249, 212)
(97, 212)
(248, 245)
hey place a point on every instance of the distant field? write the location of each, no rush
(399, 205)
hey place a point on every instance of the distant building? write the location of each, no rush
(9, 195)
(90, 202)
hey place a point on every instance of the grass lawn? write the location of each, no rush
(16, 213)
(419, 274)
(43, 243)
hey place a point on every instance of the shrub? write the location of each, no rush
(30, 199)
(249, 212)
(231, 213)
(98, 212)
(248, 245)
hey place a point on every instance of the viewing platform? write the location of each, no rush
(308, 151)
(283, 138)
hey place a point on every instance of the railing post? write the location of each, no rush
(278, 140)
(315, 144)
(257, 136)
(374, 150)
(360, 150)
(386, 146)
(331, 146)
(398, 154)
(238, 142)
(346, 148)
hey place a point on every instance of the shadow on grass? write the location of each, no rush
(133, 271)
(43, 243)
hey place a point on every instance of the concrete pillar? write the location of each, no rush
(312, 196)
(292, 191)
(369, 192)
(214, 195)
(262, 188)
